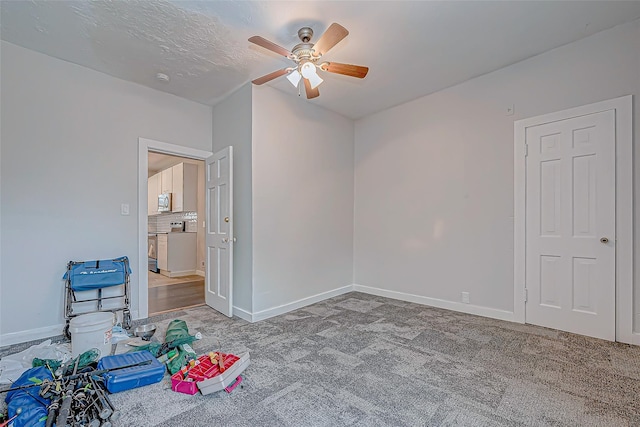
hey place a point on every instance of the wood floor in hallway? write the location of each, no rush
(174, 293)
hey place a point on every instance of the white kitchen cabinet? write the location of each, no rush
(153, 189)
(185, 187)
(177, 254)
(166, 181)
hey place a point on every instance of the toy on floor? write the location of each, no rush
(212, 372)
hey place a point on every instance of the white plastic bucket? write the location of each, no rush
(91, 330)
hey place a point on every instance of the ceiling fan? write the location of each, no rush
(306, 56)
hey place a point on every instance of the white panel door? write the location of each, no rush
(219, 231)
(570, 225)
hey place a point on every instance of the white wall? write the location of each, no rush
(434, 177)
(232, 126)
(69, 159)
(302, 200)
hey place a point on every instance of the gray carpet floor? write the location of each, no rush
(363, 360)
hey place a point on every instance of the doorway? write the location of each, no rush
(175, 274)
(573, 220)
(176, 239)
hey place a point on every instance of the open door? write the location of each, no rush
(219, 231)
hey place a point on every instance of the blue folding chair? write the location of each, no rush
(85, 276)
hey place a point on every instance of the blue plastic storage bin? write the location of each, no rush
(136, 376)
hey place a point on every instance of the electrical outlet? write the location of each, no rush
(202, 264)
(465, 297)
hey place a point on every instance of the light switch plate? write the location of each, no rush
(509, 110)
(124, 209)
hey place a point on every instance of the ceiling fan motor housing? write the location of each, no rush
(304, 51)
(305, 34)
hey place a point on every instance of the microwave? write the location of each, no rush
(164, 202)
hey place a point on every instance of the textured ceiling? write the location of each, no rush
(412, 48)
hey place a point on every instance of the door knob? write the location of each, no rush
(604, 240)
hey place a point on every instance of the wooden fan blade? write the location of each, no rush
(330, 38)
(346, 69)
(311, 93)
(270, 76)
(260, 41)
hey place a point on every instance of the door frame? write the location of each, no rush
(144, 146)
(623, 108)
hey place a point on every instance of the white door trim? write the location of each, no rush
(144, 145)
(624, 208)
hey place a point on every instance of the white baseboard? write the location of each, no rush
(46, 332)
(30, 335)
(49, 331)
(243, 314)
(439, 303)
(294, 305)
(178, 273)
(200, 273)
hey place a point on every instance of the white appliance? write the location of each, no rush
(153, 252)
(164, 202)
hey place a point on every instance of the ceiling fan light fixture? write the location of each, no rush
(308, 71)
(294, 77)
(315, 81)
